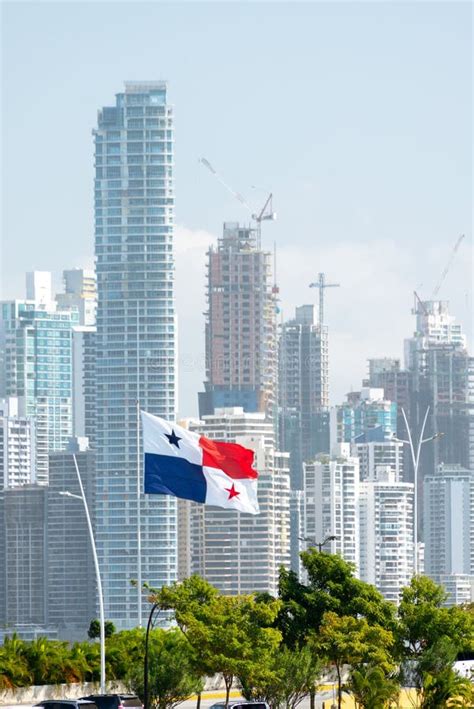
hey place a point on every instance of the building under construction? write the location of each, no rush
(440, 365)
(241, 348)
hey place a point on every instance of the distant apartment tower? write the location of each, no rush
(440, 366)
(17, 446)
(69, 558)
(236, 552)
(366, 415)
(386, 533)
(379, 454)
(331, 502)
(136, 336)
(241, 357)
(23, 545)
(36, 339)
(449, 521)
(80, 292)
(303, 390)
(386, 373)
(459, 587)
(45, 552)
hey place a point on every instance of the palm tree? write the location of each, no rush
(48, 660)
(371, 688)
(14, 671)
(447, 688)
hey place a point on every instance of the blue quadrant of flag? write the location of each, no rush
(169, 475)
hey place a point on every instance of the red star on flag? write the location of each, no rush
(232, 491)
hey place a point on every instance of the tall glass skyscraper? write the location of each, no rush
(135, 345)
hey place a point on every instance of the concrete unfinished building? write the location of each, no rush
(241, 354)
(440, 367)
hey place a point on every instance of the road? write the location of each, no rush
(217, 697)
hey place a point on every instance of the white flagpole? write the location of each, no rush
(139, 520)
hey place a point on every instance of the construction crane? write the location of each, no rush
(447, 267)
(265, 214)
(322, 285)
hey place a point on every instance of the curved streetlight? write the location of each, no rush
(66, 493)
(330, 538)
(149, 625)
(415, 456)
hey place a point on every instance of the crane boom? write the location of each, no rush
(235, 194)
(266, 213)
(447, 267)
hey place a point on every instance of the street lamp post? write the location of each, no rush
(97, 573)
(155, 607)
(415, 457)
(320, 545)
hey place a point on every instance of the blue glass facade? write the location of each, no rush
(367, 421)
(37, 342)
(135, 341)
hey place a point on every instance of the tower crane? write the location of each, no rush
(322, 285)
(266, 213)
(447, 267)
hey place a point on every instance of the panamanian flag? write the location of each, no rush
(184, 464)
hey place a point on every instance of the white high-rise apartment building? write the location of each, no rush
(449, 521)
(376, 454)
(80, 292)
(17, 446)
(331, 485)
(136, 338)
(459, 587)
(36, 361)
(236, 552)
(386, 532)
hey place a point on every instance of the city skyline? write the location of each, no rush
(339, 162)
(380, 238)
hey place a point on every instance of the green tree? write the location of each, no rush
(372, 688)
(94, 629)
(429, 637)
(423, 620)
(447, 689)
(346, 642)
(287, 677)
(85, 658)
(14, 670)
(332, 587)
(172, 672)
(47, 660)
(123, 650)
(230, 633)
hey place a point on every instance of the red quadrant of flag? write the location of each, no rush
(235, 460)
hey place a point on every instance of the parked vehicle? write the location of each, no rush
(115, 701)
(67, 704)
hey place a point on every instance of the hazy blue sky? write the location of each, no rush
(356, 115)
